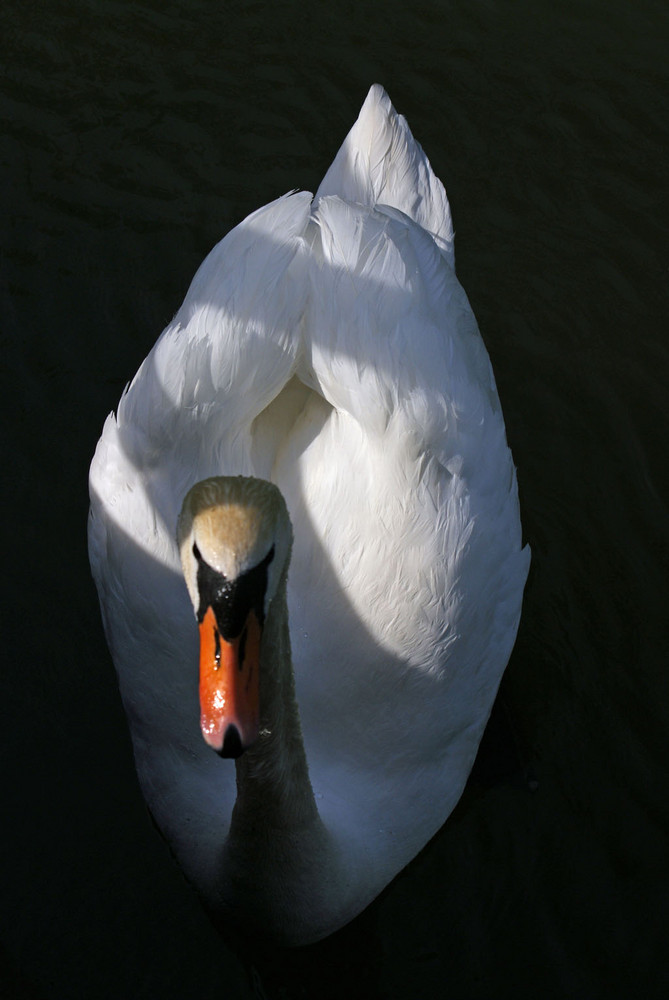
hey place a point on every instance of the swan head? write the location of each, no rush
(235, 536)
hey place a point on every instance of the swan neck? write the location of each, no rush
(273, 786)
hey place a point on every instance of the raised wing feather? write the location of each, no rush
(380, 163)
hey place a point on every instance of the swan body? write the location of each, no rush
(324, 346)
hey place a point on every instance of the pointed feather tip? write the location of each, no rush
(376, 106)
(377, 96)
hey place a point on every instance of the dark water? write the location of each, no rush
(136, 135)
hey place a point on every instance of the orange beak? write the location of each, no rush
(229, 688)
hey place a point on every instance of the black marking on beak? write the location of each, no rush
(232, 600)
(232, 743)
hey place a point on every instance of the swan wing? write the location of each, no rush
(408, 569)
(185, 416)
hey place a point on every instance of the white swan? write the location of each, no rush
(326, 345)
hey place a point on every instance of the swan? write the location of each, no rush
(307, 488)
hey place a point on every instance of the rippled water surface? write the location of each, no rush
(136, 135)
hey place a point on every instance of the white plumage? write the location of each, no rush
(325, 345)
